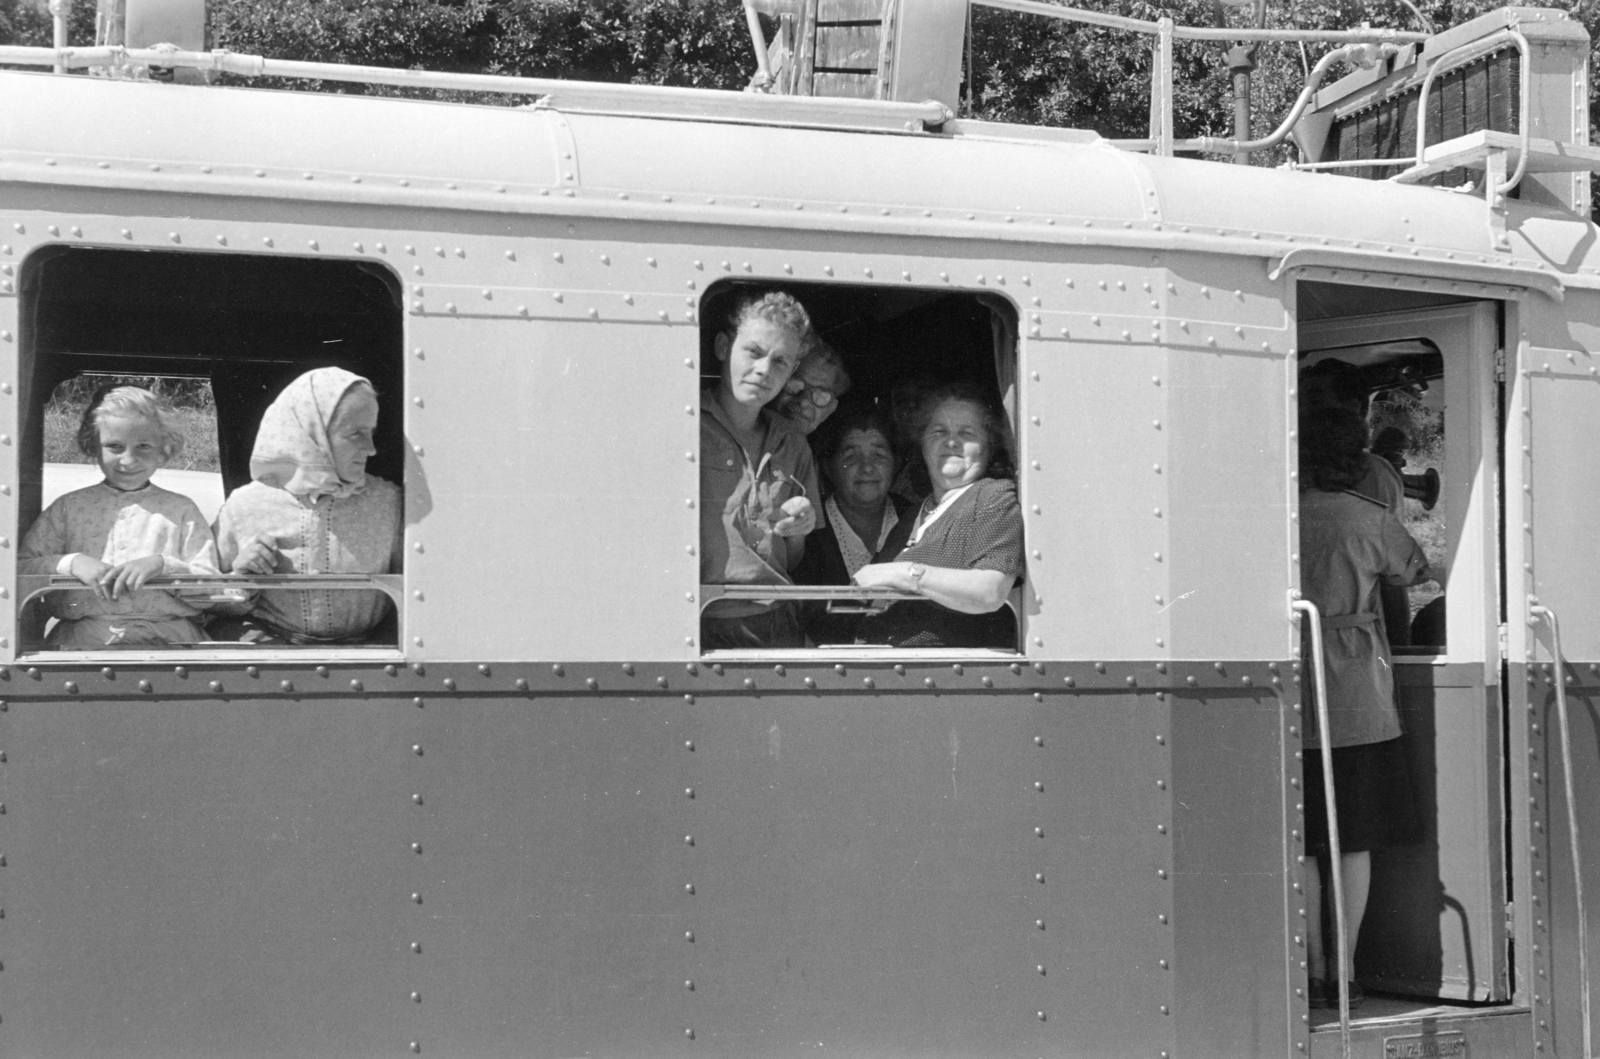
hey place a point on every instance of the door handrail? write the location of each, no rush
(1536, 611)
(1319, 683)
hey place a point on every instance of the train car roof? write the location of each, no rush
(966, 180)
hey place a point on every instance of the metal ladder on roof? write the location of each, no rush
(841, 48)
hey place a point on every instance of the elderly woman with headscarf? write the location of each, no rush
(313, 509)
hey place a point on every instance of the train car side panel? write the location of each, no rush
(180, 876)
(1238, 900)
(769, 870)
(1156, 506)
(577, 480)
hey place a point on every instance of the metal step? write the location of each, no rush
(1407, 1028)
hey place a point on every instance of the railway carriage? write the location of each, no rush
(536, 818)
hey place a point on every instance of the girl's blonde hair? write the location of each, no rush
(130, 402)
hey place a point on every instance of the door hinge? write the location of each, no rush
(1500, 364)
(1511, 921)
(1504, 636)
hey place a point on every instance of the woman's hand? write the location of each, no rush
(969, 591)
(260, 556)
(800, 518)
(886, 575)
(90, 570)
(131, 576)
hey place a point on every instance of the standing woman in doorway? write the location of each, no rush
(1349, 543)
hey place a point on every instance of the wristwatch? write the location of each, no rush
(917, 570)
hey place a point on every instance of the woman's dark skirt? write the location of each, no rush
(1377, 802)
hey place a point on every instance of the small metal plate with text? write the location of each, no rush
(1447, 1045)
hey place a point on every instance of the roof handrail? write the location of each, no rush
(1138, 25)
(555, 92)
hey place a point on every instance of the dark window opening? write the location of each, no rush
(218, 335)
(894, 346)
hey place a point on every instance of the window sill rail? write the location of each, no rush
(227, 589)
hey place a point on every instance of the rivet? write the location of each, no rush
(144, 685)
(1039, 923)
(216, 686)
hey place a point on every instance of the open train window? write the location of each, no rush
(847, 440)
(218, 336)
(1425, 376)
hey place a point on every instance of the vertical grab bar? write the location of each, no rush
(1538, 611)
(1335, 869)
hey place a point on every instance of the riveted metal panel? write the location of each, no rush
(554, 838)
(627, 859)
(1238, 915)
(579, 479)
(1146, 483)
(1553, 983)
(1556, 404)
(205, 878)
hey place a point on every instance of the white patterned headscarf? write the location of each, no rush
(292, 450)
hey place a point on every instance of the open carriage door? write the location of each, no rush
(1553, 555)
(1435, 922)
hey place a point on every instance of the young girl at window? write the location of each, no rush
(757, 477)
(314, 509)
(118, 534)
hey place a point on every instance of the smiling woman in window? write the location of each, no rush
(314, 509)
(965, 549)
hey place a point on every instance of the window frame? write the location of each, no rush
(33, 364)
(1005, 316)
